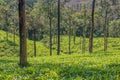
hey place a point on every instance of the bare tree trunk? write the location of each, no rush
(22, 33)
(69, 45)
(84, 32)
(105, 32)
(92, 28)
(34, 43)
(54, 33)
(83, 45)
(80, 42)
(54, 41)
(6, 19)
(50, 37)
(74, 37)
(58, 51)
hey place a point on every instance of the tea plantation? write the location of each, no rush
(96, 66)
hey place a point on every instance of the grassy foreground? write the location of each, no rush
(68, 67)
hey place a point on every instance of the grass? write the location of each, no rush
(7, 47)
(67, 67)
(96, 66)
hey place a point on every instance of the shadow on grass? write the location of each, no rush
(3, 61)
(8, 48)
(9, 42)
(102, 52)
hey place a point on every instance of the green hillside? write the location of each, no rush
(96, 66)
(7, 47)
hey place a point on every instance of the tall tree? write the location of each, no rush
(34, 33)
(7, 24)
(50, 24)
(50, 16)
(50, 11)
(69, 47)
(22, 33)
(58, 51)
(92, 28)
(69, 29)
(84, 29)
(106, 20)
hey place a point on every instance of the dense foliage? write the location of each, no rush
(38, 13)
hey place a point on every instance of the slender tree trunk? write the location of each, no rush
(54, 41)
(34, 43)
(84, 32)
(6, 19)
(80, 42)
(50, 37)
(22, 33)
(58, 51)
(105, 32)
(55, 36)
(74, 38)
(92, 28)
(69, 36)
(83, 45)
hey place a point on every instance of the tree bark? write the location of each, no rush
(105, 31)
(74, 37)
(22, 33)
(69, 36)
(50, 37)
(58, 51)
(34, 43)
(7, 24)
(84, 32)
(92, 28)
